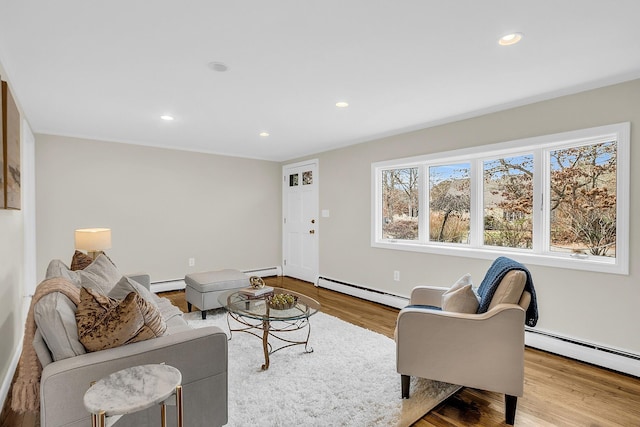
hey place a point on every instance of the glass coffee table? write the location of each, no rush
(260, 319)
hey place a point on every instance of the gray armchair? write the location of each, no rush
(480, 350)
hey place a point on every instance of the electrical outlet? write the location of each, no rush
(192, 262)
(396, 275)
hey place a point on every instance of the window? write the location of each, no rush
(449, 203)
(508, 201)
(560, 200)
(400, 203)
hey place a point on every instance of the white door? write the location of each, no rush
(300, 220)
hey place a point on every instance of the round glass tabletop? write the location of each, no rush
(259, 308)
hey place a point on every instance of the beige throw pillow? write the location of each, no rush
(104, 322)
(460, 297)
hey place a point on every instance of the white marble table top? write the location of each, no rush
(132, 389)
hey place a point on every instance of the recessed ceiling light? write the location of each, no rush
(166, 117)
(509, 39)
(342, 104)
(264, 133)
(218, 66)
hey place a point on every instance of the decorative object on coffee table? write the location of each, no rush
(256, 282)
(257, 314)
(282, 301)
(134, 389)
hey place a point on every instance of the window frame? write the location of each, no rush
(539, 146)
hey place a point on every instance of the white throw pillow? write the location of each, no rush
(460, 297)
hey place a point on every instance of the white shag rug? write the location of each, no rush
(348, 380)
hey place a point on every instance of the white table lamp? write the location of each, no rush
(93, 240)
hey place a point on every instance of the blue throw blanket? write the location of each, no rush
(500, 267)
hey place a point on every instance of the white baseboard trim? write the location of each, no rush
(374, 295)
(6, 381)
(168, 285)
(265, 272)
(628, 363)
(625, 362)
(178, 284)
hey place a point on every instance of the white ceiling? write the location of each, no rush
(108, 69)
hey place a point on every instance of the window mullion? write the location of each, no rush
(477, 214)
(423, 205)
(540, 200)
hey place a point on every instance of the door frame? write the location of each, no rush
(316, 178)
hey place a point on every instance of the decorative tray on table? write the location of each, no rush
(282, 301)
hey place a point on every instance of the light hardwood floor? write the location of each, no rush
(557, 391)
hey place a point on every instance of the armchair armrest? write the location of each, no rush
(483, 351)
(427, 295)
(199, 354)
(143, 278)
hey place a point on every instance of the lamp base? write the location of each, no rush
(94, 254)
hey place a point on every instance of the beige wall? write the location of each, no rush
(163, 206)
(11, 282)
(600, 308)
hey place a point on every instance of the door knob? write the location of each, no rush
(312, 231)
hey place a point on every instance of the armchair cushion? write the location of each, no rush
(498, 270)
(461, 298)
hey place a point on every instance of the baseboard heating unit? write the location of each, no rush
(374, 295)
(617, 360)
(178, 284)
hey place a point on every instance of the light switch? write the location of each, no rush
(325, 213)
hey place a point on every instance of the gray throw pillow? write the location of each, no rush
(100, 276)
(126, 285)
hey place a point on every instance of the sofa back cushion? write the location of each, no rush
(55, 317)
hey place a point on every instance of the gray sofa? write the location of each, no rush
(200, 355)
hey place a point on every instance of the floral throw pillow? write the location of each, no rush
(105, 322)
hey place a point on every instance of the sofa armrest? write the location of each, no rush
(487, 350)
(200, 355)
(427, 295)
(143, 278)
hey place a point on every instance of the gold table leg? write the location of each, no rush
(98, 420)
(179, 410)
(265, 343)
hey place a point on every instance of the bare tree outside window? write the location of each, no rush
(583, 199)
(449, 203)
(400, 204)
(508, 202)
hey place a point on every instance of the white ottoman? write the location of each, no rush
(203, 289)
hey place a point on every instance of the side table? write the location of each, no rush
(131, 390)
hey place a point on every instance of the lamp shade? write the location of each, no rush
(93, 239)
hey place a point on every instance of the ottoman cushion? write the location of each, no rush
(211, 281)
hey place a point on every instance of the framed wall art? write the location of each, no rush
(11, 138)
(2, 202)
